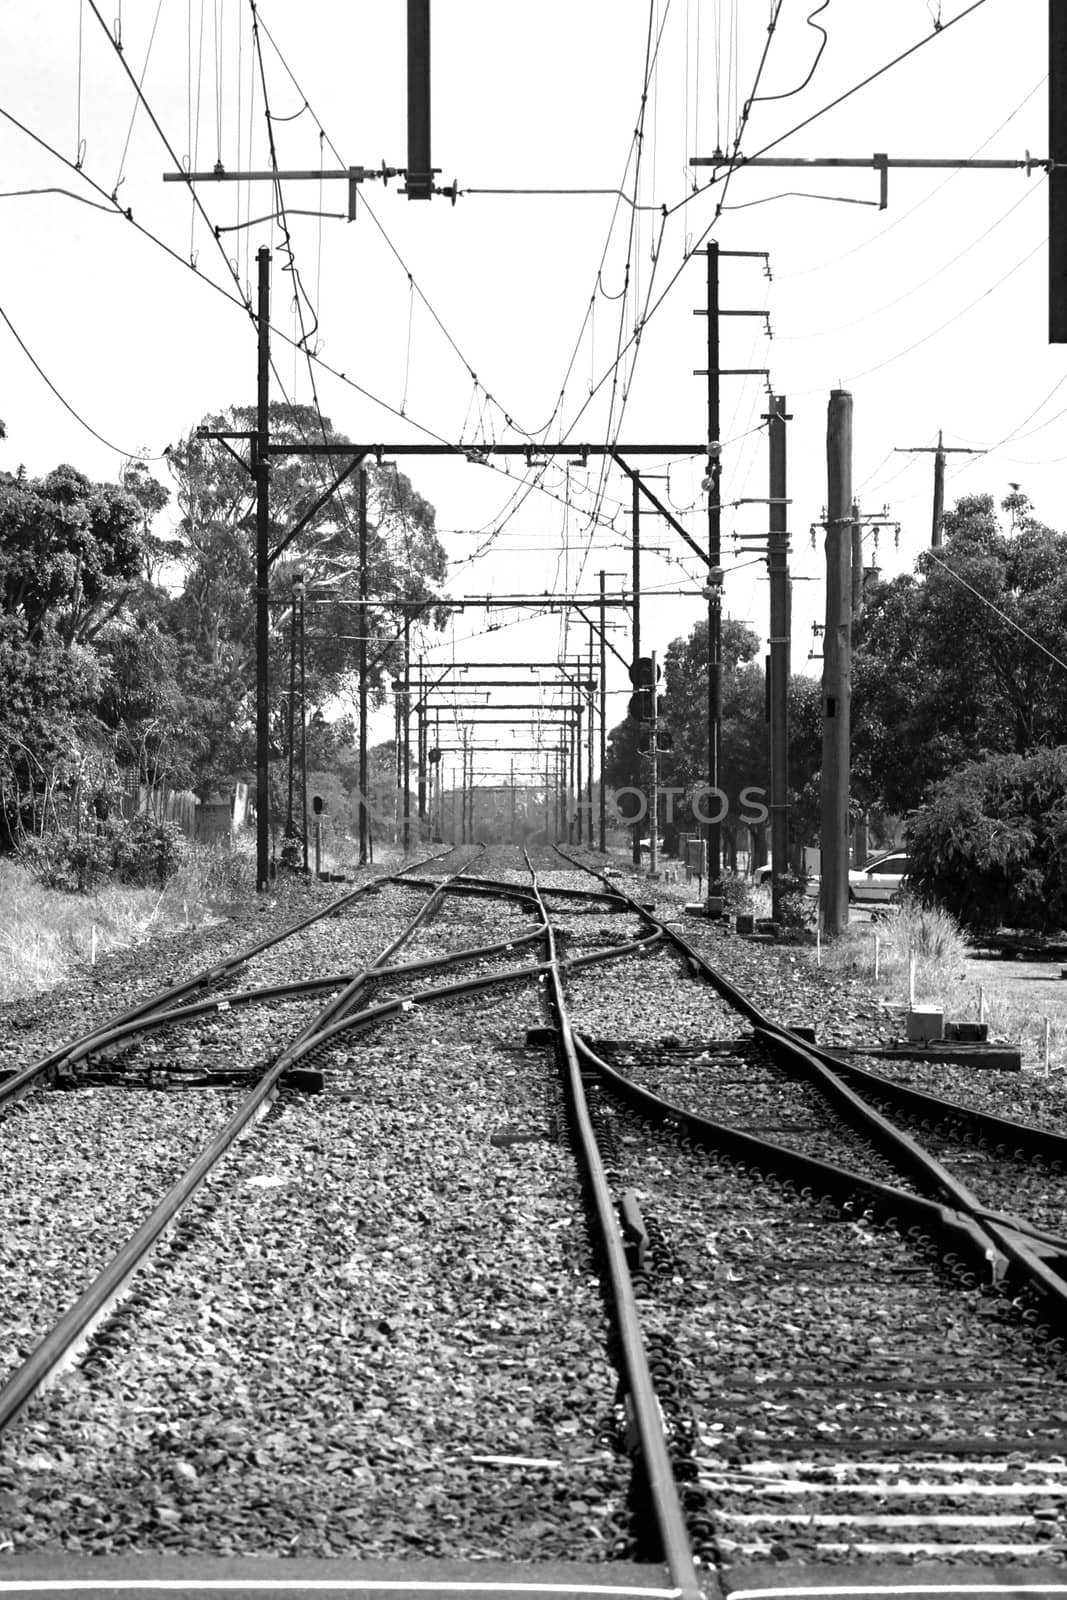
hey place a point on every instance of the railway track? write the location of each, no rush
(868, 1387)
(741, 1312)
(452, 1276)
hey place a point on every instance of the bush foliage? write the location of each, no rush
(142, 852)
(991, 846)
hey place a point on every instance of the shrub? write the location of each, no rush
(211, 876)
(991, 845)
(139, 852)
(147, 851)
(796, 909)
(74, 862)
(737, 893)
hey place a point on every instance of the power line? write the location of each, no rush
(1002, 614)
(842, 327)
(31, 358)
(837, 101)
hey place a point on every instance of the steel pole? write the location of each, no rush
(780, 643)
(714, 829)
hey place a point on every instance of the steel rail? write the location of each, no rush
(648, 1421)
(1036, 1140)
(805, 1171)
(71, 1331)
(426, 963)
(892, 1141)
(13, 1088)
(343, 1003)
(179, 1015)
(901, 1145)
(76, 1324)
(1008, 1236)
(183, 1014)
(421, 997)
(462, 986)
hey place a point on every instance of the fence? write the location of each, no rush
(219, 817)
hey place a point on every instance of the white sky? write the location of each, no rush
(932, 313)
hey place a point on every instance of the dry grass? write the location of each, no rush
(1018, 999)
(885, 951)
(47, 937)
(1015, 1000)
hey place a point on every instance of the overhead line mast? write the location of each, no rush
(1057, 173)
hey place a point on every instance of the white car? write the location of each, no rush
(881, 878)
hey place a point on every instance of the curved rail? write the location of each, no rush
(811, 1172)
(76, 1325)
(13, 1088)
(1012, 1239)
(655, 1456)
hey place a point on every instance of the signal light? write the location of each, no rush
(641, 674)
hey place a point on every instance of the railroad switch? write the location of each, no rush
(540, 1038)
(309, 1080)
(634, 1232)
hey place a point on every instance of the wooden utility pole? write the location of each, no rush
(837, 667)
(303, 731)
(653, 799)
(579, 764)
(590, 701)
(939, 451)
(261, 468)
(290, 727)
(636, 518)
(603, 717)
(420, 746)
(780, 638)
(363, 623)
(407, 730)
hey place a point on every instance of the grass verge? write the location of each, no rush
(1022, 1007)
(46, 936)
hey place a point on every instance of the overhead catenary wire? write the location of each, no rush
(903, 216)
(279, 92)
(32, 359)
(837, 101)
(517, 499)
(934, 332)
(916, 288)
(138, 84)
(369, 209)
(243, 299)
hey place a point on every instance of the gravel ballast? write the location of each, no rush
(377, 1331)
